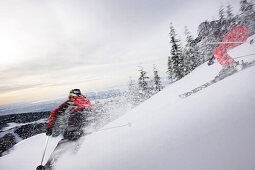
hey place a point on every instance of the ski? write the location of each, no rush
(243, 65)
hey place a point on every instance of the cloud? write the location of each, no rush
(4, 89)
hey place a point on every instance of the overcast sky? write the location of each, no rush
(49, 47)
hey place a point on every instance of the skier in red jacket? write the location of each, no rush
(80, 109)
(232, 39)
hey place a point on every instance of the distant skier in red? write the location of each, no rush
(237, 34)
(81, 113)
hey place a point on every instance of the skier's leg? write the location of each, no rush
(77, 123)
(58, 151)
(72, 132)
(222, 56)
(237, 34)
(74, 129)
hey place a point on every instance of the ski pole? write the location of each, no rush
(46, 143)
(41, 167)
(244, 56)
(211, 43)
(128, 124)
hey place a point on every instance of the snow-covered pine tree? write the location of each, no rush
(230, 18)
(170, 69)
(133, 93)
(175, 61)
(143, 84)
(221, 13)
(229, 12)
(190, 53)
(157, 81)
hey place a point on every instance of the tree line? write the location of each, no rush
(184, 59)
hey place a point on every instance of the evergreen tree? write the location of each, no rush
(221, 13)
(190, 53)
(170, 69)
(189, 38)
(133, 93)
(157, 81)
(229, 12)
(175, 61)
(143, 84)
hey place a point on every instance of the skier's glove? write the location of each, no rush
(193, 43)
(49, 131)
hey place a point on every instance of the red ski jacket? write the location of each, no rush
(72, 105)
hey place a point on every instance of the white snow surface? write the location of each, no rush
(12, 125)
(210, 130)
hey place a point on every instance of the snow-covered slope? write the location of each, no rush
(212, 129)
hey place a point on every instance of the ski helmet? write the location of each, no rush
(75, 92)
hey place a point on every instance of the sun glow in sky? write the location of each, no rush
(48, 47)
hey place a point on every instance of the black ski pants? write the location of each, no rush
(76, 122)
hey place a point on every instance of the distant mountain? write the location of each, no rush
(29, 107)
(26, 107)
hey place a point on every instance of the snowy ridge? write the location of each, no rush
(212, 129)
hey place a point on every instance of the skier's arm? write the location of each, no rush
(60, 109)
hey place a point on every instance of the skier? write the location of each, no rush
(233, 38)
(80, 109)
(238, 33)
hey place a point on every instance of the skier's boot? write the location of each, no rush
(227, 70)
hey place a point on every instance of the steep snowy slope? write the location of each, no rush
(212, 129)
